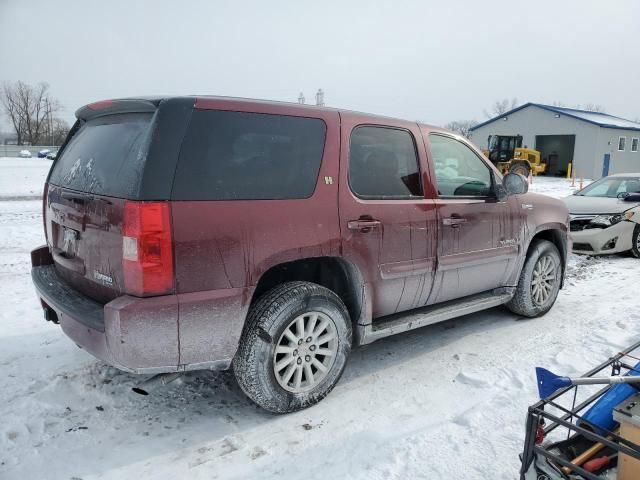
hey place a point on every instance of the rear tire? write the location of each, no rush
(294, 347)
(520, 169)
(539, 281)
(635, 242)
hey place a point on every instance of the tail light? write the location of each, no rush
(147, 248)
(102, 104)
(45, 196)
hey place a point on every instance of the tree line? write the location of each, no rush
(33, 113)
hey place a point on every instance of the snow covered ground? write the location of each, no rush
(446, 401)
(22, 178)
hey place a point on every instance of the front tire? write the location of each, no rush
(521, 169)
(294, 347)
(539, 281)
(635, 242)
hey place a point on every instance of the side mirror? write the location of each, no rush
(632, 197)
(515, 184)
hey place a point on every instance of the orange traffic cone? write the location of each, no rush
(573, 179)
(530, 177)
(581, 183)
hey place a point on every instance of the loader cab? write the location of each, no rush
(501, 148)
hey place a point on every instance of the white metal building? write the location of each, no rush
(597, 144)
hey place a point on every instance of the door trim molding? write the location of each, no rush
(407, 267)
(477, 257)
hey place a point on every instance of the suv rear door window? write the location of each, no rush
(459, 171)
(249, 156)
(383, 164)
(106, 156)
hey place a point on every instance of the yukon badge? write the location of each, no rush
(101, 277)
(507, 242)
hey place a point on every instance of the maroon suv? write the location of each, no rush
(213, 233)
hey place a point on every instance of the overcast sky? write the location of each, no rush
(420, 60)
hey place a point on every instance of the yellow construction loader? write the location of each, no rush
(508, 155)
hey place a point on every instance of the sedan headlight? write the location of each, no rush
(607, 220)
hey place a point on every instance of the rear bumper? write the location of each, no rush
(143, 335)
(599, 241)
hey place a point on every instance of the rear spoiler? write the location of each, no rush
(108, 107)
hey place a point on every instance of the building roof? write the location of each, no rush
(603, 120)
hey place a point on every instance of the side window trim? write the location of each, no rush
(492, 175)
(417, 163)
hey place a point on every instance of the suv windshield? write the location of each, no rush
(105, 157)
(612, 187)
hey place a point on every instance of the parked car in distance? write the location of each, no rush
(208, 233)
(52, 155)
(24, 154)
(605, 216)
(43, 153)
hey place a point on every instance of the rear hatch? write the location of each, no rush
(97, 174)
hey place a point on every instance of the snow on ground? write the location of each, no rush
(556, 187)
(22, 178)
(446, 401)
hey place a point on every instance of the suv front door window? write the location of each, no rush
(478, 247)
(459, 171)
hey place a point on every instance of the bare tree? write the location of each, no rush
(500, 107)
(59, 129)
(463, 127)
(31, 110)
(14, 111)
(594, 107)
(590, 107)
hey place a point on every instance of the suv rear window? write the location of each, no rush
(249, 156)
(106, 156)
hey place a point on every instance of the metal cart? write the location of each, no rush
(545, 461)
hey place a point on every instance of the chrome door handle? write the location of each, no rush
(363, 225)
(454, 222)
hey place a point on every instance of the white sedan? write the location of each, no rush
(24, 154)
(605, 216)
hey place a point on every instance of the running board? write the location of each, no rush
(402, 322)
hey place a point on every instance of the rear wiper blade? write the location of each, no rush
(77, 196)
(83, 198)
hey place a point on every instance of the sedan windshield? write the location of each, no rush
(612, 187)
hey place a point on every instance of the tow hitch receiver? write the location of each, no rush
(50, 315)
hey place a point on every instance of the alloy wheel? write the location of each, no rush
(544, 280)
(305, 352)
